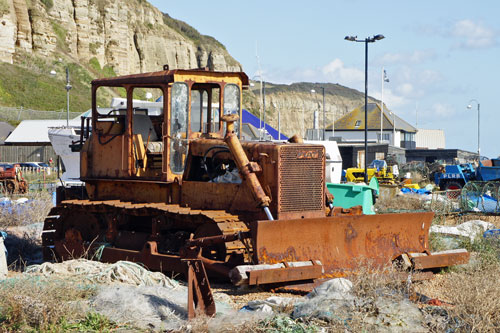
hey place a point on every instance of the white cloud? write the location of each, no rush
(415, 57)
(473, 35)
(405, 89)
(441, 110)
(335, 71)
(391, 100)
(429, 76)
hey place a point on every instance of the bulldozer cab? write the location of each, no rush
(136, 138)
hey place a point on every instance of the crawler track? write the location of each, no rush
(77, 228)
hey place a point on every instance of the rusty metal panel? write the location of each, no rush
(440, 259)
(276, 275)
(301, 179)
(215, 196)
(128, 190)
(342, 242)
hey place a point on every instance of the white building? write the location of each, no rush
(430, 139)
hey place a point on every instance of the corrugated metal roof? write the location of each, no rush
(36, 131)
(355, 120)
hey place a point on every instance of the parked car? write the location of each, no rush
(31, 165)
(6, 166)
(35, 166)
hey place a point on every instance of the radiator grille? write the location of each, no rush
(301, 173)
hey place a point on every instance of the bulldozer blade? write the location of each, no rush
(342, 243)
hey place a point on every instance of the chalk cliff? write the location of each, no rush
(130, 36)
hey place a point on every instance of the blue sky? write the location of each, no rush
(438, 54)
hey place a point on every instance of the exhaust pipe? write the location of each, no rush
(246, 168)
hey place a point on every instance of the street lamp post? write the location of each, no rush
(366, 41)
(68, 88)
(264, 108)
(478, 127)
(384, 79)
(324, 114)
(262, 102)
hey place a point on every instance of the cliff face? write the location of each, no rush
(130, 36)
(296, 104)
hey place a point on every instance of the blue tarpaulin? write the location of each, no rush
(249, 118)
(483, 203)
(412, 190)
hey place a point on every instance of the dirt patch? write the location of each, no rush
(240, 296)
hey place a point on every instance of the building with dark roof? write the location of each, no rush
(395, 131)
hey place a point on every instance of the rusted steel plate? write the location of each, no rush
(277, 275)
(153, 261)
(440, 259)
(342, 242)
(308, 287)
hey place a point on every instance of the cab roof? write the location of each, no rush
(165, 76)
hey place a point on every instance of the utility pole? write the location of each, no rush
(264, 108)
(384, 79)
(68, 88)
(324, 115)
(366, 41)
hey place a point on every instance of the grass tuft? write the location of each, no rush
(35, 210)
(34, 303)
(475, 296)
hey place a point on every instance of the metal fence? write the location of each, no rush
(16, 114)
(10, 154)
(482, 197)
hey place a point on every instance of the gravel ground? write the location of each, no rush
(240, 296)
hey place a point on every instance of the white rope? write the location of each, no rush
(122, 272)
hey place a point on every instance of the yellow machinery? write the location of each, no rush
(378, 168)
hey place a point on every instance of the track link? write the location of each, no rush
(175, 214)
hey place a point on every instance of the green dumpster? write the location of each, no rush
(349, 195)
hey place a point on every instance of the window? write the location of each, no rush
(178, 127)
(196, 110)
(358, 123)
(109, 106)
(231, 99)
(147, 113)
(409, 136)
(385, 137)
(211, 123)
(232, 103)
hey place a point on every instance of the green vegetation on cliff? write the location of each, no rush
(29, 84)
(205, 42)
(188, 31)
(4, 7)
(21, 86)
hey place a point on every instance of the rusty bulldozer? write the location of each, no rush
(173, 187)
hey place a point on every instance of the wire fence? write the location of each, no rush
(17, 114)
(445, 202)
(481, 197)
